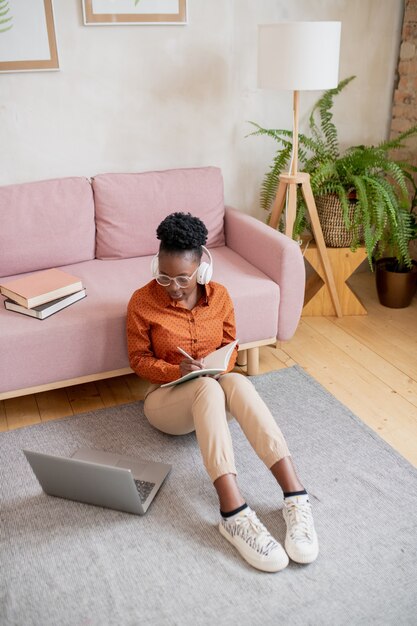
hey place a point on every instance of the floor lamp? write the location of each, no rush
(300, 56)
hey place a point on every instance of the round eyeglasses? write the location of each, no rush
(180, 281)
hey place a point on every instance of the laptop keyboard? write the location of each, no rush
(144, 488)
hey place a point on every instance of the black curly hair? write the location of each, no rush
(180, 232)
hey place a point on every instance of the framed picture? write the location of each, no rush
(27, 36)
(115, 12)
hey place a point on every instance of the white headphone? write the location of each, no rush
(204, 271)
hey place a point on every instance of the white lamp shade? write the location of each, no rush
(298, 55)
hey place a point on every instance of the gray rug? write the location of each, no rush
(64, 563)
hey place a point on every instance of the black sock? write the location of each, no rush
(288, 494)
(234, 512)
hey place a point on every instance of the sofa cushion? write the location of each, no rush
(129, 207)
(46, 224)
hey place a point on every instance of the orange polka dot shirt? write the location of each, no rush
(157, 325)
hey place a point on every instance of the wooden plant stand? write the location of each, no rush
(344, 262)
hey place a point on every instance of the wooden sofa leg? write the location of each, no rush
(253, 361)
(242, 358)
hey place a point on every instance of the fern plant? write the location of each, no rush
(5, 18)
(382, 214)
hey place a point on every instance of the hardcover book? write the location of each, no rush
(214, 363)
(41, 287)
(43, 311)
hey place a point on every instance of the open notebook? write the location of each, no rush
(215, 363)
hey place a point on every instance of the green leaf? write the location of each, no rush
(4, 10)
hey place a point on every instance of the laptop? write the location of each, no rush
(107, 479)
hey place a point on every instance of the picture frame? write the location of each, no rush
(129, 12)
(27, 36)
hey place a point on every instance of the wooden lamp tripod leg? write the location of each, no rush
(321, 246)
(291, 182)
(291, 209)
(278, 205)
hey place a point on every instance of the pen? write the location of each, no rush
(185, 353)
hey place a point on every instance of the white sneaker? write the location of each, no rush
(301, 541)
(253, 541)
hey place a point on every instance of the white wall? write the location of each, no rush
(135, 98)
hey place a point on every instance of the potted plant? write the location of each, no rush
(362, 191)
(396, 276)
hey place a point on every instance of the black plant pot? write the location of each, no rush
(395, 289)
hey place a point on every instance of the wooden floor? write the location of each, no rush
(368, 362)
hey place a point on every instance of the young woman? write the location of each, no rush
(181, 307)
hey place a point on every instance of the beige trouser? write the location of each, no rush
(204, 405)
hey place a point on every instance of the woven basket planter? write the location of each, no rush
(330, 213)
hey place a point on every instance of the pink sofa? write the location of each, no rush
(103, 231)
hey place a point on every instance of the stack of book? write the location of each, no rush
(43, 293)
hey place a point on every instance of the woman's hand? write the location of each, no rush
(191, 365)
